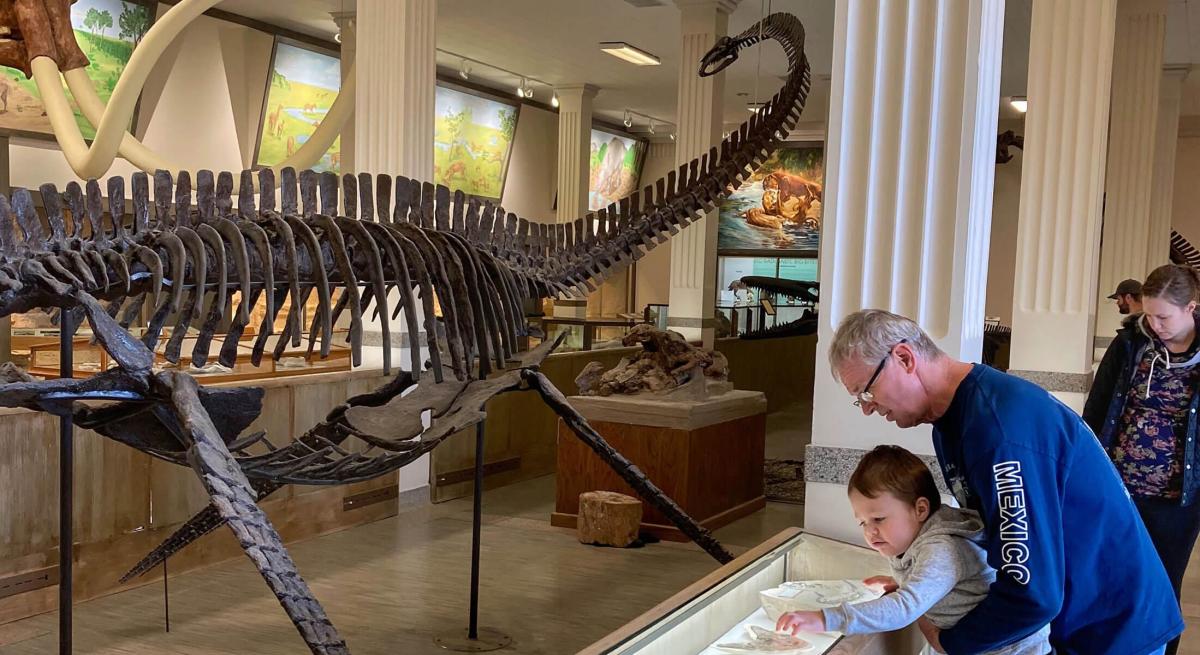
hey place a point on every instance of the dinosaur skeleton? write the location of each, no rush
(187, 250)
(796, 291)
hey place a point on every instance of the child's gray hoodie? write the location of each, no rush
(942, 575)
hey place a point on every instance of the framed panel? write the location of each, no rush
(472, 140)
(615, 167)
(777, 210)
(107, 32)
(303, 82)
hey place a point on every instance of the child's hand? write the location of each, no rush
(794, 622)
(887, 583)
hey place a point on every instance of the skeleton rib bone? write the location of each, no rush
(186, 249)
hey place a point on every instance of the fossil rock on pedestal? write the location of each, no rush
(668, 366)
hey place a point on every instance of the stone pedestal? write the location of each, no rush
(707, 456)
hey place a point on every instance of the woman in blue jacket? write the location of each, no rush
(1142, 406)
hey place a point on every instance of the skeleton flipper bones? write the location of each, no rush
(350, 243)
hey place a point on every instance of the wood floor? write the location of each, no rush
(391, 586)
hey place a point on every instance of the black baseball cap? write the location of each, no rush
(1132, 287)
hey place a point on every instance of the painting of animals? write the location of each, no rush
(107, 32)
(615, 168)
(472, 137)
(778, 207)
(302, 87)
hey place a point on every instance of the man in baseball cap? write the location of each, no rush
(1128, 296)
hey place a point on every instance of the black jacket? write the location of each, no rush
(1106, 401)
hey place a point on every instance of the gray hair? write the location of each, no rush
(868, 335)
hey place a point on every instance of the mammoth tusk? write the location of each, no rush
(111, 121)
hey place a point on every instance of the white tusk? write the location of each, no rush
(111, 121)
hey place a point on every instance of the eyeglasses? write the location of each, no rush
(865, 396)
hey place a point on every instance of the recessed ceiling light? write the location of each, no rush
(1019, 103)
(633, 55)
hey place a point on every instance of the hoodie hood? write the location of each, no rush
(945, 522)
(1161, 358)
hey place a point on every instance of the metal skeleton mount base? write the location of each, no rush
(344, 242)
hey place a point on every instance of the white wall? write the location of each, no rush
(1185, 209)
(531, 183)
(654, 270)
(1002, 256)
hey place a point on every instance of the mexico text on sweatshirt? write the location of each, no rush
(942, 576)
(1061, 531)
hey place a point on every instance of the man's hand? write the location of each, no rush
(931, 633)
(887, 583)
(794, 622)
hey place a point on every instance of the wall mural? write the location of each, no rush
(778, 208)
(615, 168)
(301, 88)
(472, 138)
(107, 32)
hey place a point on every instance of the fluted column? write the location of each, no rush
(1162, 184)
(1062, 190)
(397, 79)
(1136, 72)
(393, 123)
(574, 148)
(345, 20)
(908, 200)
(693, 295)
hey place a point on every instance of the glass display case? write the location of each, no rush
(719, 608)
(88, 358)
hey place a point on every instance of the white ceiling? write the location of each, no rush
(555, 41)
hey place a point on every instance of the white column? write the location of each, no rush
(908, 181)
(693, 296)
(574, 141)
(393, 115)
(1162, 189)
(397, 79)
(346, 26)
(1062, 190)
(574, 148)
(1137, 69)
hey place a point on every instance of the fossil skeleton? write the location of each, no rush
(187, 250)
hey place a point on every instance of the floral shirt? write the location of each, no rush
(1148, 450)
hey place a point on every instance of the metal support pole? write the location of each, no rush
(472, 641)
(66, 489)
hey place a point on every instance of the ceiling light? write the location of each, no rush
(464, 70)
(554, 100)
(633, 55)
(1019, 103)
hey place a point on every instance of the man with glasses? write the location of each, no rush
(1062, 533)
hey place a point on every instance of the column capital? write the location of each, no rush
(582, 90)
(1127, 8)
(1176, 72)
(344, 19)
(723, 6)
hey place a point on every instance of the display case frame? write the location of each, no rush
(691, 621)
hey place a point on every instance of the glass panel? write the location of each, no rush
(799, 268)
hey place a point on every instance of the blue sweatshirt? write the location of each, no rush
(1062, 533)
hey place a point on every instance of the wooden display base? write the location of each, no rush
(707, 456)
